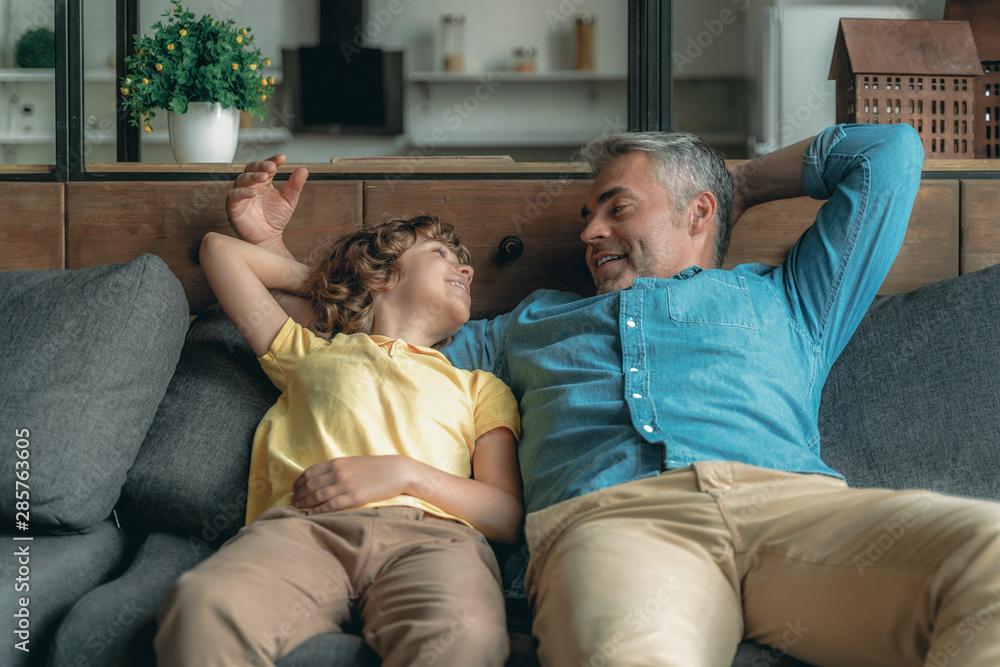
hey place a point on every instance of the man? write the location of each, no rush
(676, 499)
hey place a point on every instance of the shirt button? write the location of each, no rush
(633, 370)
(399, 346)
(647, 428)
(636, 395)
(630, 322)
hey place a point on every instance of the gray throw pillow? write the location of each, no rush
(190, 476)
(914, 400)
(88, 354)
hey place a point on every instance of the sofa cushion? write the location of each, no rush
(88, 354)
(61, 569)
(114, 624)
(914, 400)
(190, 476)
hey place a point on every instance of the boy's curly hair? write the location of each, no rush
(358, 263)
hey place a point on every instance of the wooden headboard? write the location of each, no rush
(954, 228)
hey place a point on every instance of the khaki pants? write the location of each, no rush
(423, 591)
(677, 569)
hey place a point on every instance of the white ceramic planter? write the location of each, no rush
(205, 133)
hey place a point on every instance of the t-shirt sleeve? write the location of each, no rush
(495, 406)
(288, 348)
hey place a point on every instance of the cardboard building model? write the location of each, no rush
(910, 71)
(984, 19)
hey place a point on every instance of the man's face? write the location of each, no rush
(633, 227)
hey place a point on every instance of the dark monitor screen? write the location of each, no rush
(342, 88)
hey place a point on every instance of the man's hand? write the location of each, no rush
(257, 210)
(350, 481)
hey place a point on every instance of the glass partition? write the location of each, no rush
(27, 82)
(531, 80)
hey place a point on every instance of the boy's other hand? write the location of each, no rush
(350, 481)
(257, 210)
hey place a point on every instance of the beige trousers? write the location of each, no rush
(423, 591)
(677, 569)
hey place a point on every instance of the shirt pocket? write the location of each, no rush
(722, 300)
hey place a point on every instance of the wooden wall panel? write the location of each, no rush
(114, 222)
(930, 251)
(544, 214)
(980, 225)
(32, 224)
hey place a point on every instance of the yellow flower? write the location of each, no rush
(263, 97)
(145, 80)
(147, 129)
(170, 47)
(177, 9)
(158, 67)
(243, 32)
(124, 90)
(239, 39)
(183, 32)
(267, 63)
(128, 81)
(253, 65)
(263, 82)
(236, 66)
(271, 81)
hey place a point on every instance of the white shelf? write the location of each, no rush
(41, 75)
(570, 76)
(258, 135)
(508, 138)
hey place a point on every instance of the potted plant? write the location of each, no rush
(203, 72)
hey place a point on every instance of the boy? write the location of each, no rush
(376, 475)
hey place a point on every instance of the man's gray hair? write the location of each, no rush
(685, 165)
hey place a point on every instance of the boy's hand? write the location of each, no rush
(257, 210)
(351, 481)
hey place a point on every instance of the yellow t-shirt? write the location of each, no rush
(359, 395)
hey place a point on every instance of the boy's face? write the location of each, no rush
(434, 292)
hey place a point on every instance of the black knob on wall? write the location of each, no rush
(511, 247)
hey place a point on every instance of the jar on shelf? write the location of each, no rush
(585, 42)
(526, 59)
(453, 42)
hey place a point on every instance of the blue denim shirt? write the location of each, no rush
(707, 364)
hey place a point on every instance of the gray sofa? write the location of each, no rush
(129, 408)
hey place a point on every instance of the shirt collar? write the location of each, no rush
(649, 283)
(387, 344)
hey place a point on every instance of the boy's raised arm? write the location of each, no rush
(241, 275)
